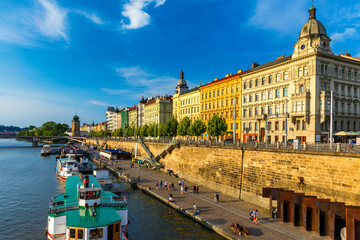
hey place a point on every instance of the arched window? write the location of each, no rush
(301, 88)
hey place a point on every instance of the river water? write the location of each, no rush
(28, 183)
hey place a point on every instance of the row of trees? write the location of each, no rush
(216, 126)
(50, 128)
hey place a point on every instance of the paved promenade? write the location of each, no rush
(217, 216)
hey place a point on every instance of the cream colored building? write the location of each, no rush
(186, 103)
(303, 79)
(158, 110)
(133, 121)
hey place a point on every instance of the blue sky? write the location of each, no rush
(62, 56)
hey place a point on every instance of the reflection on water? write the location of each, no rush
(28, 183)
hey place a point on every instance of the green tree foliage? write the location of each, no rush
(151, 130)
(162, 130)
(117, 132)
(138, 131)
(183, 128)
(198, 128)
(171, 127)
(216, 126)
(50, 128)
(92, 134)
(129, 131)
(144, 131)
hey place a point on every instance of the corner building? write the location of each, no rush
(303, 80)
(219, 97)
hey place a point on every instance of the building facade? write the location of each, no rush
(158, 110)
(100, 127)
(133, 120)
(223, 98)
(301, 85)
(141, 112)
(124, 117)
(110, 113)
(186, 103)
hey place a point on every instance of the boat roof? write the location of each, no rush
(80, 217)
(66, 160)
(113, 151)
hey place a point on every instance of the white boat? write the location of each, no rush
(45, 150)
(87, 212)
(66, 167)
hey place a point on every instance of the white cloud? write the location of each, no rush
(134, 11)
(141, 83)
(98, 103)
(115, 91)
(279, 15)
(52, 22)
(348, 33)
(91, 16)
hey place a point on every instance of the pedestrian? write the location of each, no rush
(182, 182)
(216, 197)
(256, 217)
(196, 209)
(165, 184)
(161, 183)
(182, 189)
(197, 189)
(179, 183)
(194, 189)
(173, 186)
(171, 199)
(185, 188)
(169, 187)
(157, 186)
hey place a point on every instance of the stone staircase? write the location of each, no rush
(166, 150)
(145, 148)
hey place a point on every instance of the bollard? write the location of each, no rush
(337, 147)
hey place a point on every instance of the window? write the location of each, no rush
(303, 106)
(218, 92)
(283, 125)
(270, 94)
(326, 68)
(277, 93)
(342, 73)
(355, 108)
(277, 77)
(96, 233)
(305, 70)
(256, 126)
(237, 89)
(355, 75)
(250, 84)
(232, 102)
(269, 125)
(250, 98)
(284, 92)
(222, 91)
(117, 227)
(256, 82)
(301, 88)
(355, 92)
(270, 79)
(336, 89)
(349, 75)
(336, 72)
(263, 96)
(227, 102)
(213, 95)
(297, 124)
(209, 94)
(269, 109)
(342, 108)
(245, 99)
(336, 107)
(276, 125)
(256, 111)
(285, 77)
(244, 112)
(205, 95)
(250, 112)
(72, 233)
(262, 110)
(227, 90)
(277, 108)
(232, 89)
(245, 85)
(322, 69)
(250, 126)
(349, 108)
(284, 108)
(342, 90)
(303, 125)
(263, 81)
(298, 106)
(300, 72)
(256, 97)
(349, 91)
(244, 126)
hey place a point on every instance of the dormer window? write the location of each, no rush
(303, 47)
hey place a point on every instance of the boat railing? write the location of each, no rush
(114, 202)
(61, 206)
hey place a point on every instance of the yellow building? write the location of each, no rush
(133, 116)
(221, 97)
(100, 126)
(158, 110)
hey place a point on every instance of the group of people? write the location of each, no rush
(254, 216)
(196, 209)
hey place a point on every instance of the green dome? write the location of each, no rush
(76, 118)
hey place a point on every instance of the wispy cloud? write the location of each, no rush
(99, 103)
(115, 91)
(134, 10)
(348, 33)
(279, 15)
(91, 16)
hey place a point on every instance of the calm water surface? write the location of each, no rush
(28, 183)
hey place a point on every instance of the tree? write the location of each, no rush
(171, 127)
(162, 130)
(117, 132)
(138, 131)
(49, 128)
(129, 131)
(92, 134)
(183, 128)
(144, 131)
(216, 126)
(151, 130)
(198, 128)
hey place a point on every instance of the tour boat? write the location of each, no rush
(45, 150)
(87, 212)
(66, 167)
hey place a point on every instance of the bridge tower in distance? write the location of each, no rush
(75, 128)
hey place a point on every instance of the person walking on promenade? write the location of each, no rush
(171, 199)
(165, 184)
(194, 189)
(216, 197)
(179, 183)
(196, 209)
(256, 217)
(182, 189)
(173, 186)
(157, 186)
(186, 188)
(169, 187)
(197, 189)
(182, 182)
(161, 183)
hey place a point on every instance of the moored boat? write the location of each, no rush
(86, 211)
(66, 167)
(45, 150)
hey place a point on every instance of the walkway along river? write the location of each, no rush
(28, 183)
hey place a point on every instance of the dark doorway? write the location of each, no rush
(262, 134)
(309, 211)
(286, 211)
(339, 224)
(110, 232)
(322, 223)
(297, 215)
(357, 230)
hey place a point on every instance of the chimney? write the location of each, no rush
(86, 181)
(254, 65)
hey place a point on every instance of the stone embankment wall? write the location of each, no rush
(334, 176)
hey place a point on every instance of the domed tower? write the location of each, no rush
(75, 128)
(312, 37)
(182, 87)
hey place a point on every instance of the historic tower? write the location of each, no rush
(182, 86)
(75, 128)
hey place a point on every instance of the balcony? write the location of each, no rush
(300, 113)
(305, 94)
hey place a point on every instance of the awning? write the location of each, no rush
(343, 133)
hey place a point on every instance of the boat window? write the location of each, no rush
(117, 227)
(72, 233)
(96, 233)
(92, 195)
(80, 234)
(82, 195)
